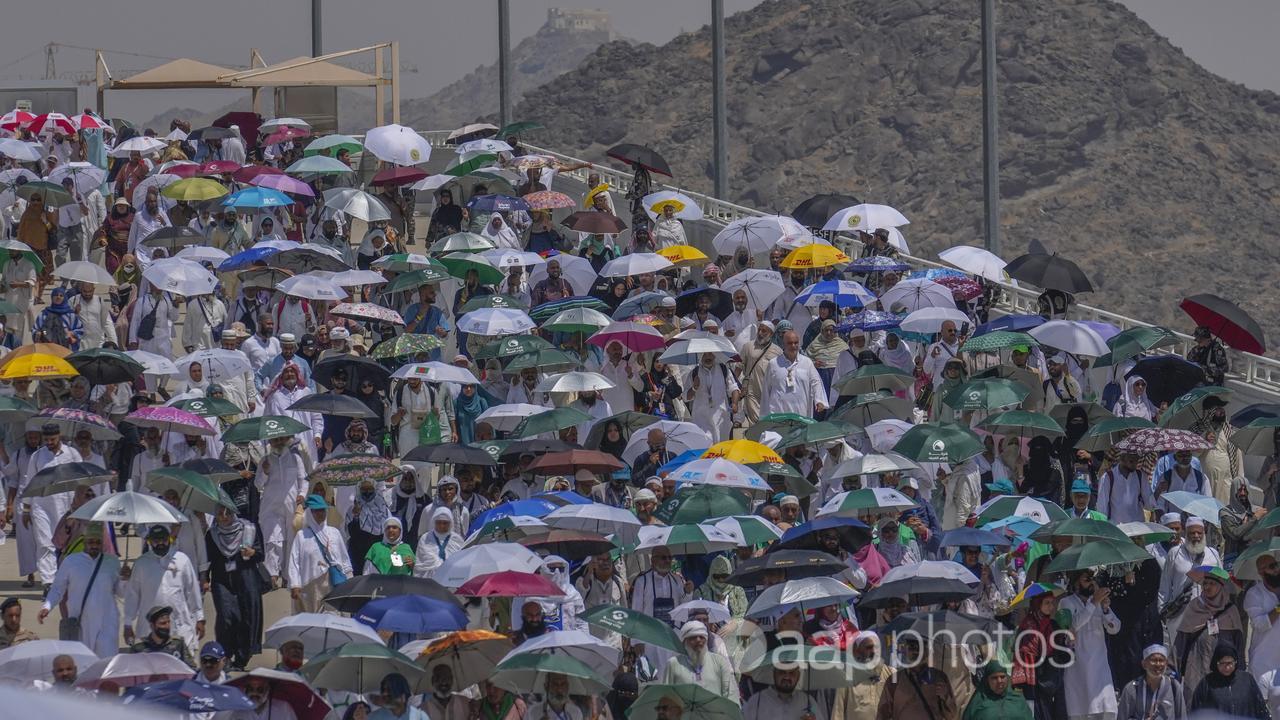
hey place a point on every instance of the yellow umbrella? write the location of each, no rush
(813, 256)
(194, 189)
(682, 253)
(42, 348)
(38, 365)
(745, 452)
(591, 196)
(658, 207)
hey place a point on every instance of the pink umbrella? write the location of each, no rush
(509, 583)
(285, 134)
(634, 336)
(283, 183)
(52, 121)
(185, 170)
(170, 419)
(247, 173)
(219, 167)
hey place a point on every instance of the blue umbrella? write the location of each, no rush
(496, 203)
(414, 614)
(687, 456)
(257, 197)
(638, 305)
(528, 508)
(1012, 323)
(935, 274)
(853, 534)
(870, 320)
(965, 536)
(190, 696)
(844, 293)
(877, 263)
(562, 498)
(1020, 526)
(246, 258)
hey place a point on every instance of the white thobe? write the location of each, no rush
(1264, 650)
(144, 223)
(457, 707)
(934, 365)
(736, 322)
(279, 403)
(161, 342)
(769, 704)
(20, 282)
(164, 581)
(190, 539)
(143, 463)
(710, 404)
(100, 628)
(621, 397)
(281, 479)
(791, 386)
(96, 214)
(652, 592)
(259, 351)
(306, 562)
(47, 511)
(668, 232)
(598, 410)
(785, 307)
(96, 316)
(1088, 684)
(964, 494)
(521, 394)
(242, 392)
(1177, 564)
(204, 312)
(1121, 497)
(291, 317)
(433, 550)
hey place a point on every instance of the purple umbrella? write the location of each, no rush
(170, 419)
(283, 183)
(1105, 330)
(73, 421)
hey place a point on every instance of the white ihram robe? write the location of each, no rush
(47, 511)
(278, 404)
(793, 387)
(99, 628)
(1087, 682)
(710, 404)
(170, 580)
(281, 479)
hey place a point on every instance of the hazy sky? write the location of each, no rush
(445, 40)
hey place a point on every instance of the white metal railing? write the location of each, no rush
(1257, 372)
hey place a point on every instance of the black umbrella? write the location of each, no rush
(456, 453)
(65, 477)
(853, 535)
(1226, 320)
(597, 223)
(793, 564)
(172, 237)
(721, 302)
(924, 624)
(304, 260)
(211, 133)
(1168, 377)
(815, 211)
(217, 470)
(102, 366)
(642, 155)
(331, 404)
(629, 420)
(1252, 412)
(1050, 272)
(351, 595)
(918, 591)
(357, 369)
(537, 446)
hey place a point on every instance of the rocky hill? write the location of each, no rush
(1158, 177)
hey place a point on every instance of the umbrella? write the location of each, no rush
(582, 320)
(415, 614)
(1135, 341)
(815, 433)
(1226, 320)
(932, 442)
(479, 560)
(1070, 336)
(352, 469)
(283, 183)
(218, 364)
(1082, 528)
(264, 427)
(720, 472)
(128, 507)
(462, 242)
(510, 583)
(195, 491)
(305, 701)
(1188, 409)
(495, 321)
(642, 155)
(1246, 563)
(36, 365)
(496, 203)
(1096, 553)
(681, 436)
(85, 176)
(1168, 376)
(684, 539)
(332, 143)
(873, 464)
(126, 670)
(931, 319)
(358, 369)
(1050, 272)
(307, 258)
(525, 673)
(366, 312)
(548, 200)
(318, 165)
(638, 626)
(460, 264)
(71, 421)
(793, 564)
(690, 349)
(331, 404)
(639, 263)
(865, 218)
(971, 537)
(170, 419)
(695, 504)
(596, 518)
(595, 223)
(568, 461)
(397, 144)
(1257, 437)
(872, 501)
(31, 660)
(761, 286)
(56, 479)
(576, 270)
(912, 295)
(194, 189)
(405, 345)
(805, 594)
(153, 364)
(257, 197)
(756, 234)
(469, 654)
(918, 591)
(634, 337)
(203, 254)
(208, 407)
(869, 320)
(13, 409)
(191, 695)
(997, 340)
(1022, 423)
(844, 293)
(456, 453)
(689, 702)
(534, 507)
(976, 261)
(874, 379)
(20, 150)
(852, 534)
(550, 421)
(180, 277)
(813, 256)
(311, 287)
(358, 667)
(576, 644)
(353, 594)
(576, 381)
(1149, 440)
(356, 203)
(1003, 506)
(815, 211)
(1195, 504)
(393, 176)
(749, 530)
(742, 451)
(84, 271)
(986, 394)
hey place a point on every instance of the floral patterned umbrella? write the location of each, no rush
(73, 421)
(407, 344)
(872, 320)
(367, 311)
(170, 419)
(548, 200)
(1149, 440)
(351, 469)
(962, 288)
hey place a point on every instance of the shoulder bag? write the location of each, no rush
(69, 627)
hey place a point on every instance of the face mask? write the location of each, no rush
(160, 549)
(129, 268)
(162, 633)
(535, 628)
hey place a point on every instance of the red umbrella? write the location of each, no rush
(285, 134)
(1226, 320)
(52, 121)
(15, 119)
(184, 170)
(291, 688)
(568, 544)
(509, 583)
(89, 121)
(247, 173)
(219, 167)
(397, 175)
(570, 461)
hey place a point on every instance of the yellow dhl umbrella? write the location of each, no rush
(38, 365)
(745, 452)
(590, 199)
(42, 348)
(814, 256)
(682, 253)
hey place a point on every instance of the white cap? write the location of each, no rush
(1059, 359)
(693, 628)
(339, 333)
(911, 483)
(1194, 521)
(288, 338)
(1170, 517)
(1156, 649)
(644, 494)
(667, 301)
(789, 500)
(766, 324)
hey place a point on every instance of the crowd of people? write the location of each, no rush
(614, 464)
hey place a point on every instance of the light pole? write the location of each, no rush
(720, 125)
(990, 150)
(317, 46)
(504, 62)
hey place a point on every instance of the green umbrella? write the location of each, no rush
(511, 346)
(872, 407)
(629, 420)
(332, 143)
(208, 407)
(14, 409)
(358, 667)
(467, 242)
(697, 503)
(493, 447)
(1135, 341)
(1023, 423)
(986, 394)
(550, 421)
(696, 703)
(933, 442)
(1108, 432)
(1082, 528)
(461, 263)
(998, 340)
(469, 163)
(754, 529)
(1187, 410)
(405, 345)
(551, 309)
(871, 378)
(854, 502)
(103, 366)
(818, 432)
(551, 360)
(1094, 412)
(416, 279)
(54, 195)
(195, 491)
(638, 626)
(521, 127)
(1005, 506)
(792, 481)
(29, 254)
(527, 672)
(406, 262)
(1258, 437)
(1096, 554)
(1246, 564)
(318, 165)
(781, 423)
(263, 428)
(492, 301)
(583, 320)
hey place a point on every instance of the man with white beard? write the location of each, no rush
(712, 397)
(1192, 553)
(791, 382)
(148, 218)
(781, 700)
(593, 404)
(164, 577)
(47, 511)
(697, 666)
(556, 701)
(100, 628)
(757, 351)
(282, 480)
(624, 375)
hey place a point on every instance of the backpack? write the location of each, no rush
(55, 330)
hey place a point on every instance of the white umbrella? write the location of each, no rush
(762, 286)
(86, 176)
(690, 349)
(884, 434)
(688, 539)
(805, 594)
(717, 613)
(432, 182)
(687, 209)
(158, 181)
(866, 217)
(319, 632)
(976, 260)
(576, 270)
(576, 644)
(180, 277)
(484, 559)
(496, 321)
(357, 278)
(153, 364)
(139, 144)
(641, 263)
(929, 320)
(503, 258)
(487, 145)
(125, 670)
(128, 506)
(1070, 336)
(219, 364)
(915, 294)
(31, 660)
(397, 144)
(84, 271)
(737, 526)
(21, 151)
(596, 518)
(471, 129)
(756, 234)
(179, 134)
(720, 473)
(792, 242)
(504, 418)
(436, 372)
(202, 254)
(356, 203)
(874, 464)
(575, 381)
(681, 436)
(942, 569)
(312, 288)
(292, 122)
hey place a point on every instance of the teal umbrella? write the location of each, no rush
(1258, 437)
(1096, 554)
(819, 432)
(550, 421)
(1135, 341)
(551, 360)
(781, 423)
(511, 346)
(1022, 423)
(871, 378)
(640, 627)
(1188, 409)
(933, 442)
(986, 394)
(998, 340)
(692, 702)
(699, 502)
(416, 279)
(872, 407)
(1106, 433)
(263, 428)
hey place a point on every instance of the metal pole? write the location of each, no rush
(504, 62)
(720, 126)
(317, 46)
(990, 150)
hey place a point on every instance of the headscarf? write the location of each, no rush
(61, 307)
(1242, 509)
(1038, 474)
(559, 577)
(872, 562)
(824, 350)
(720, 565)
(128, 278)
(373, 511)
(229, 538)
(468, 409)
(407, 502)
(32, 227)
(1223, 649)
(1201, 610)
(503, 235)
(891, 549)
(1135, 405)
(366, 243)
(275, 229)
(900, 357)
(392, 520)
(436, 551)
(450, 215)
(615, 448)
(279, 381)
